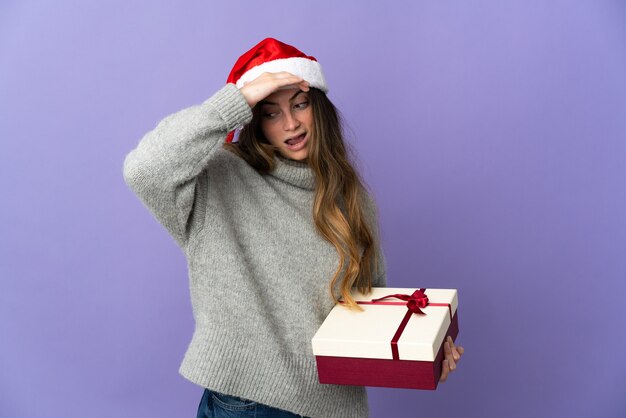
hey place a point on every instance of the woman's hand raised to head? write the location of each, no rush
(452, 356)
(267, 83)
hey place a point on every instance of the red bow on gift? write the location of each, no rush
(416, 300)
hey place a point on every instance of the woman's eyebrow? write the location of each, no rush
(265, 102)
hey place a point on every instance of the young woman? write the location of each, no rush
(275, 227)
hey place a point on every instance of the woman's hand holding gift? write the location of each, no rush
(452, 356)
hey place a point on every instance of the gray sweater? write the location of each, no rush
(259, 272)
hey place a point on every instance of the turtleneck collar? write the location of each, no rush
(294, 172)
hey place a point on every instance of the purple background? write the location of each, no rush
(492, 133)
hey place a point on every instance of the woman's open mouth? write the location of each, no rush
(297, 143)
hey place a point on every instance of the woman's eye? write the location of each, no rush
(269, 115)
(302, 105)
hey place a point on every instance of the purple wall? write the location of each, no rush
(493, 135)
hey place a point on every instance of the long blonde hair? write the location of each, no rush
(340, 195)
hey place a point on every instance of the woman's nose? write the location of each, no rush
(291, 122)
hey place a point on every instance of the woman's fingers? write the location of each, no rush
(267, 83)
(447, 348)
(288, 80)
(302, 85)
(452, 354)
(444, 372)
(456, 353)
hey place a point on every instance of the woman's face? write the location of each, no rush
(286, 121)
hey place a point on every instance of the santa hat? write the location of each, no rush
(272, 56)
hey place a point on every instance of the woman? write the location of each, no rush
(275, 227)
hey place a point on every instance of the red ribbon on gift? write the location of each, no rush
(415, 303)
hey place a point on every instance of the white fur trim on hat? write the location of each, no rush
(309, 70)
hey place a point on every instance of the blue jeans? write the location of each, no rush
(218, 405)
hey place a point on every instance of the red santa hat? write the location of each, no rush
(272, 56)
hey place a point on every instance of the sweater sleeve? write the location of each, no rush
(166, 167)
(379, 278)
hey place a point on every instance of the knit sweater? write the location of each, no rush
(259, 272)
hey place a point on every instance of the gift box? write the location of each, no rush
(396, 341)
